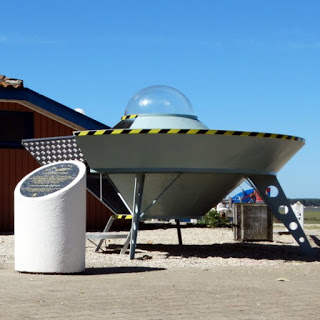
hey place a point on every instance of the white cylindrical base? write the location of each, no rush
(50, 229)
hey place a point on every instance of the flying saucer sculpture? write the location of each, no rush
(167, 164)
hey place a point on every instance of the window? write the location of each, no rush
(15, 126)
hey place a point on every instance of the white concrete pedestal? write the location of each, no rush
(50, 219)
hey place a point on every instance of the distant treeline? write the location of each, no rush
(306, 201)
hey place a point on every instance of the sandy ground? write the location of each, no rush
(210, 277)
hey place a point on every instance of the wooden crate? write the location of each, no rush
(252, 222)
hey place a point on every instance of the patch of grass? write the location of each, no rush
(311, 226)
(311, 217)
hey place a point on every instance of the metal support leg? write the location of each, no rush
(126, 244)
(106, 229)
(110, 221)
(281, 208)
(179, 232)
(137, 201)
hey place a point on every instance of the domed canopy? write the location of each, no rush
(159, 100)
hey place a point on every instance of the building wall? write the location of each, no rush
(16, 163)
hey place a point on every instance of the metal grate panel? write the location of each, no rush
(52, 150)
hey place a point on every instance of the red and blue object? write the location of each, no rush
(248, 196)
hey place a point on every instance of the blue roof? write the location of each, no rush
(51, 106)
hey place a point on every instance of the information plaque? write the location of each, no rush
(49, 180)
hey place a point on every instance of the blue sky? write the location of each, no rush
(244, 65)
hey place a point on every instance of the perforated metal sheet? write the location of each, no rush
(50, 150)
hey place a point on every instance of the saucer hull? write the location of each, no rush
(185, 174)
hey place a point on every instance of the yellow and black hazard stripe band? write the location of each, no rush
(187, 131)
(123, 216)
(131, 116)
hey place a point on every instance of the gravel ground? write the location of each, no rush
(210, 277)
(202, 247)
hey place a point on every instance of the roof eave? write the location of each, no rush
(50, 108)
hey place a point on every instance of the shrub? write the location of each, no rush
(213, 219)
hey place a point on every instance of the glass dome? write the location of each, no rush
(159, 99)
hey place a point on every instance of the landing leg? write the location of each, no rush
(281, 208)
(106, 229)
(137, 201)
(179, 232)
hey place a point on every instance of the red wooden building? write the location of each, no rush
(27, 114)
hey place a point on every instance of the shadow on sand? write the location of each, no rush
(237, 250)
(257, 251)
(119, 270)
